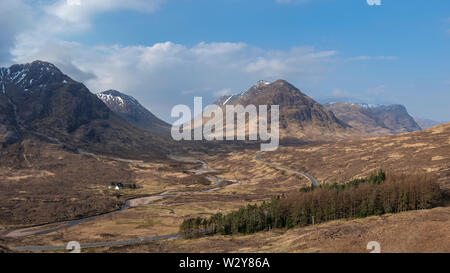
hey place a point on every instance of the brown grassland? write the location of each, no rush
(60, 185)
(426, 231)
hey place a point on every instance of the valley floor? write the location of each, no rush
(81, 183)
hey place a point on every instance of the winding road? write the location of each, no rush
(50, 228)
(309, 177)
(203, 170)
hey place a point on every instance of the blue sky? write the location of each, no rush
(164, 52)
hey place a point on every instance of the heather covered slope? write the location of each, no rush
(418, 152)
(42, 183)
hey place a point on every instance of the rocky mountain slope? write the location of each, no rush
(38, 100)
(375, 119)
(132, 111)
(300, 116)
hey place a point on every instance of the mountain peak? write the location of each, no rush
(31, 76)
(111, 97)
(35, 66)
(369, 105)
(42, 63)
(132, 111)
(261, 83)
(300, 116)
(282, 82)
(112, 92)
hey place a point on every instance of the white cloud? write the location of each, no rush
(25, 21)
(15, 16)
(223, 92)
(59, 52)
(84, 10)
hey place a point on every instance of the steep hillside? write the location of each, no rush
(301, 117)
(38, 99)
(132, 111)
(375, 119)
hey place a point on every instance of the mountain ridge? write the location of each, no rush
(132, 111)
(375, 119)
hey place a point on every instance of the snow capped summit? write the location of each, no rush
(111, 99)
(369, 105)
(257, 89)
(363, 105)
(37, 74)
(132, 111)
(262, 83)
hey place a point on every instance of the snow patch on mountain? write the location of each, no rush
(111, 99)
(369, 105)
(31, 75)
(227, 100)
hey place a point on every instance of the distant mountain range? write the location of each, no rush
(37, 100)
(132, 111)
(425, 123)
(303, 118)
(375, 119)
